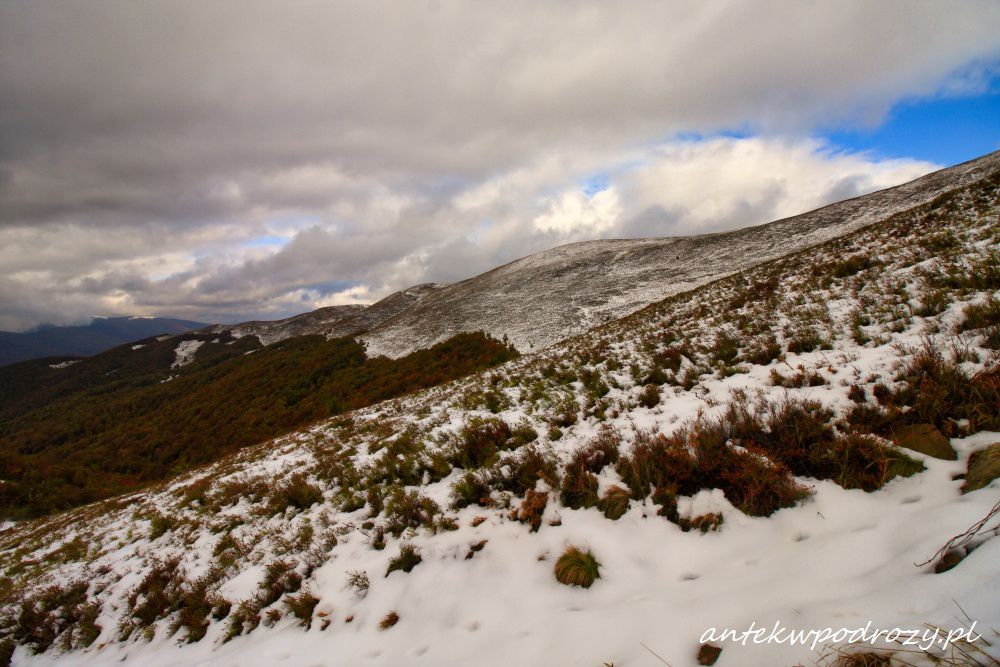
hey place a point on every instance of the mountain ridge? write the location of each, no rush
(102, 333)
(544, 297)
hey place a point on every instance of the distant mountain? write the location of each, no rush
(82, 341)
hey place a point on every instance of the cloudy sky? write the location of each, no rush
(223, 161)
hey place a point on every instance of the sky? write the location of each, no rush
(240, 160)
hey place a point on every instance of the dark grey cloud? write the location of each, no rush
(144, 146)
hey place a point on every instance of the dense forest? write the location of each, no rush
(103, 432)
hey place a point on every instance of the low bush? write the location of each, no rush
(295, 492)
(280, 578)
(650, 396)
(532, 508)
(408, 509)
(938, 391)
(703, 523)
(160, 525)
(614, 503)
(525, 468)
(53, 613)
(472, 488)
(357, 581)
(408, 558)
(479, 442)
(858, 461)
(579, 485)
(302, 606)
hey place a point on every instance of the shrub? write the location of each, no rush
(522, 434)
(763, 351)
(579, 485)
(53, 612)
(666, 498)
(526, 468)
(280, 577)
(576, 567)
(614, 503)
(858, 461)
(851, 265)
(940, 392)
(704, 522)
(195, 608)
(408, 558)
(983, 315)
(302, 606)
(564, 413)
(669, 359)
(472, 488)
(479, 442)
(725, 349)
(650, 396)
(802, 378)
(160, 524)
(295, 492)
(753, 484)
(787, 431)
(357, 580)
(532, 508)
(602, 450)
(157, 595)
(657, 461)
(806, 340)
(408, 509)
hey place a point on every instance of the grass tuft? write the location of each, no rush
(576, 567)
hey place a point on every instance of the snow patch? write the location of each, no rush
(185, 352)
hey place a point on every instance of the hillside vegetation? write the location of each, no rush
(628, 471)
(124, 419)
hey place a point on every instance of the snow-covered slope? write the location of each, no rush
(332, 321)
(763, 406)
(545, 297)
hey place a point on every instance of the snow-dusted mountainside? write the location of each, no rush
(726, 456)
(333, 321)
(546, 297)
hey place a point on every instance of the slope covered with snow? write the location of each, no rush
(543, 298)
(332, 321)
(763, 407)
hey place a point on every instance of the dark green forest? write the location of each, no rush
(114, 423)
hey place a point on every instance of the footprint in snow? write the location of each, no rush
(420, 650)
(689, 576)
(800, 537)
(472, 627)
(909, 500)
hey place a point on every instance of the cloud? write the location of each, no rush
(146, 145)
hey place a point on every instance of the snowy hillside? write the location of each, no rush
(543, 298)
(333, 321)
(722, 457)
